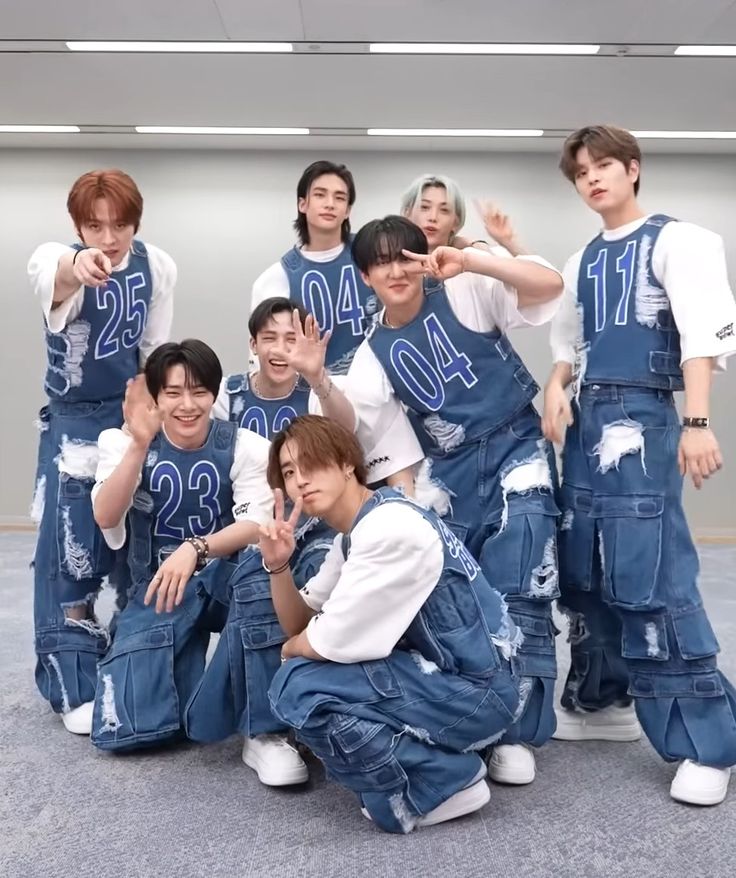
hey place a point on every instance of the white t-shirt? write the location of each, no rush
(275, 282)
(480, 303)
(42, 268)
(365, 604)
(689, 262)
(252, 498)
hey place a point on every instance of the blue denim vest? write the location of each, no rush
(629, 333)
(334, 292)
(182, 493)
(457, 384)
(95, 354)
(463, 617)
(264, 416)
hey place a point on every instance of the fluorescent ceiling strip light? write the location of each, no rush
(455, 132)
(687, 135)
(484, 48)
(167, 46)
(705, 51)
(205, 129)
(39, 129)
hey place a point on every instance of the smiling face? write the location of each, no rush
(186, 407)
(272, 340)
(105, 231)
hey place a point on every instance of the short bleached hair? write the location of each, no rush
(454, 196)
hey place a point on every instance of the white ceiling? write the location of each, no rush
(331, 84)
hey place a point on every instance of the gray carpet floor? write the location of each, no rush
(69, 811)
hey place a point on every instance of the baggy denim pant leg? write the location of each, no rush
(504, 509)
(154, 664)
(398, 733)
(648, 574)
(71, 557)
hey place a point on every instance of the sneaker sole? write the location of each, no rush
(280, 779)
(481, 796)
(704, 800)
(621, 733)
(511, 776)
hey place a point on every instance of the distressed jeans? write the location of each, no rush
(71, 556)
(628, 572)
(502, 505)
(398, 732)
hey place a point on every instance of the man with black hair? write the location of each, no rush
(319, 272)
(443, 352)
(189, 489)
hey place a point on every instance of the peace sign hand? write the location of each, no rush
(307, 355)
(277, 542)
(442, 263)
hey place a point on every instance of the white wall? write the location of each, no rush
(225, 216)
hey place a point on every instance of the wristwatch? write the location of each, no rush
(698, 423)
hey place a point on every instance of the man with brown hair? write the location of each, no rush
(107, 303)
(648, 311)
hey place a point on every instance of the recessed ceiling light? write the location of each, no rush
(455, 132)
(212, 129)
(171, 46)
(704, 51)
(686, 135)
(484, 48)
(39, 129)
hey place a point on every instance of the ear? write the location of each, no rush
(252, 343)
(301, 205)
(634, 169)
(364, 276)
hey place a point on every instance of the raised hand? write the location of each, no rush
(142, 416)
(92, 268)
(307, 355)
(277, 542)
(442, 262)
(497, 225)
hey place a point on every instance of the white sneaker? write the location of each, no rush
(699, 784)
(612, 723)
(79, 720)
(472, 798)
(274, 760)
(512, 764)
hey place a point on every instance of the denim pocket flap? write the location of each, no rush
(356, 733)
(259, 635)
(382, 678)
(634, 506)
(151, 638)
(695, 636)
(255, 588)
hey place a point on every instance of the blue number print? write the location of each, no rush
(283, 417)
(166, 474)
(418, 374)
(457, 549)
(625, 267)
(254, 418)
(109, 296)
(127, 308)
(205, 481)
(597, 273)
(349, 309)
(316, 299)
(449, 360)
(136, 310)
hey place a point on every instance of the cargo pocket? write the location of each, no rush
(136, 700)
(631, 549)
(83, 552)
(576, 539)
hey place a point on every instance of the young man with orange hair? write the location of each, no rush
(107, 303)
